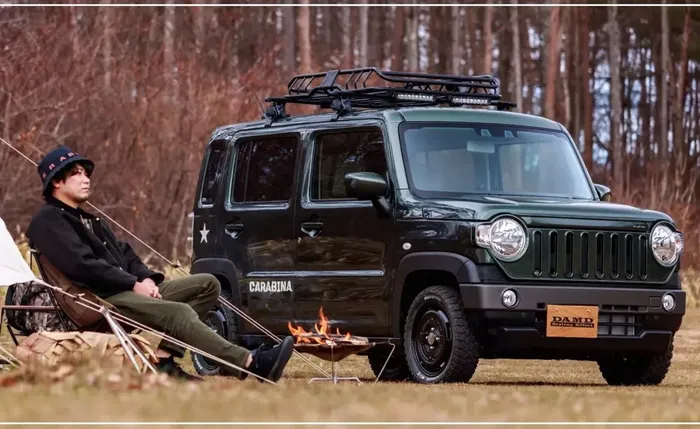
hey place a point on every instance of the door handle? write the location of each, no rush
(233, 229)
(312, 228)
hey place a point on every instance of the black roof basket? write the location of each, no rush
(392, 89)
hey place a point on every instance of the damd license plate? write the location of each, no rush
(572, 321)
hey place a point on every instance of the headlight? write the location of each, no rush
(505, 237)
(666, 245)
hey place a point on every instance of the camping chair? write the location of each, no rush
(72, 316)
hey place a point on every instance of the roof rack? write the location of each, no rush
(392, 89)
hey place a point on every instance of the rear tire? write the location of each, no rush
(646, 370)
(440, 345)
(223, 321)
(396, 369)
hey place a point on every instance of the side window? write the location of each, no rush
(212, 174)
(337, 154)
(264, 170)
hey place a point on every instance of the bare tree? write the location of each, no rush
(616, 143)
(663, 108)
(289, 37)
(303, 26)
(455, 42)
(516, 57)
(412, 30)
(364, 29)
(488, 39)
(553, 59)
(346, 23)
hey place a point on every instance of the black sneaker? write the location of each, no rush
(170, 367)
(269, 361)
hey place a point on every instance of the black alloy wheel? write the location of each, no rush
(440, 346)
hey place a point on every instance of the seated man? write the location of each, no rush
(86, 251)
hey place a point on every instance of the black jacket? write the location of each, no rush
(86, 251)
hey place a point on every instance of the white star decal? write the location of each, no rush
(204, 231)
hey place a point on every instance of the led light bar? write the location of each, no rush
(471, 100)
(415, 97)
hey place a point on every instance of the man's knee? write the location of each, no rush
(210, 284)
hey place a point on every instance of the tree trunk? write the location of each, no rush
(516, 57)
(304, 28)
(488, 39)
(456, 47)
(616, 144)
(346, 24)
(107, 26)
(553, 59)
(169, 50)
(679, 146)
(587, 99)
(397, 43)
(363, 30)
(289, 38)
(412, 29)
(471, 43)
(663, 108)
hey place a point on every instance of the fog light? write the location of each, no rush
(668, 302)
(509, 298)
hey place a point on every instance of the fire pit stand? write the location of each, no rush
(335, 352)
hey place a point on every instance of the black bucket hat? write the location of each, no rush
(57, 160)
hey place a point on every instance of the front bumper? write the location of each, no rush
(630, 320)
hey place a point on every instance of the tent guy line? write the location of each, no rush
(181, 270)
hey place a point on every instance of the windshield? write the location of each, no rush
(460, 160)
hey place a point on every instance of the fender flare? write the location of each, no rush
(222, 268)
(461, 267)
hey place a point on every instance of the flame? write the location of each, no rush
(321, 333)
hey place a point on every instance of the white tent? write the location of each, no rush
(13, 268)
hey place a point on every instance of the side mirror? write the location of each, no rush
(369, 186)
(365, 186)
(603, 192)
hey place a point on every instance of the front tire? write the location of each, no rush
(223, 321)
(440, 345)
(646, 370)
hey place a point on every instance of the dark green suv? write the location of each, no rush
(419, 210)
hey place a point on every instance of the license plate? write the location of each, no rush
(572, 321)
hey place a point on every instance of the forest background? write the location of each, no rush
(140, 89)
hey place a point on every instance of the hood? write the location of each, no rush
(532, 210)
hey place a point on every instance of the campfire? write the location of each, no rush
(323, 343)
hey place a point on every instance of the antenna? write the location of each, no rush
(262, 108)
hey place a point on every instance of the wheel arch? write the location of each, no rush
(225, 272)
(420, 270)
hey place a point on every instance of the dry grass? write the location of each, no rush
(504, 390)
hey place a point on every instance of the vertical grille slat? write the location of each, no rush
(599, 255)
(629, 256)
(537, 249)
(584, 255)
(553, 253)
(614, 256)
(644, 254)
(569, 254)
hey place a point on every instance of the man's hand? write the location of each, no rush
(147, 288)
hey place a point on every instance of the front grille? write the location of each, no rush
(620, 320)
(562, 254)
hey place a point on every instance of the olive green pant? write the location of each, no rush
(179, 314)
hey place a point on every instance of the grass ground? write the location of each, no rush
(506, 390)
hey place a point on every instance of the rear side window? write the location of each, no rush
(264, 170)
(337, 154)
(212, 174)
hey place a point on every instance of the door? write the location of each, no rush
(258, 224)
(343, 243)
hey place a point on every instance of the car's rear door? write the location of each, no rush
(258, 225)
